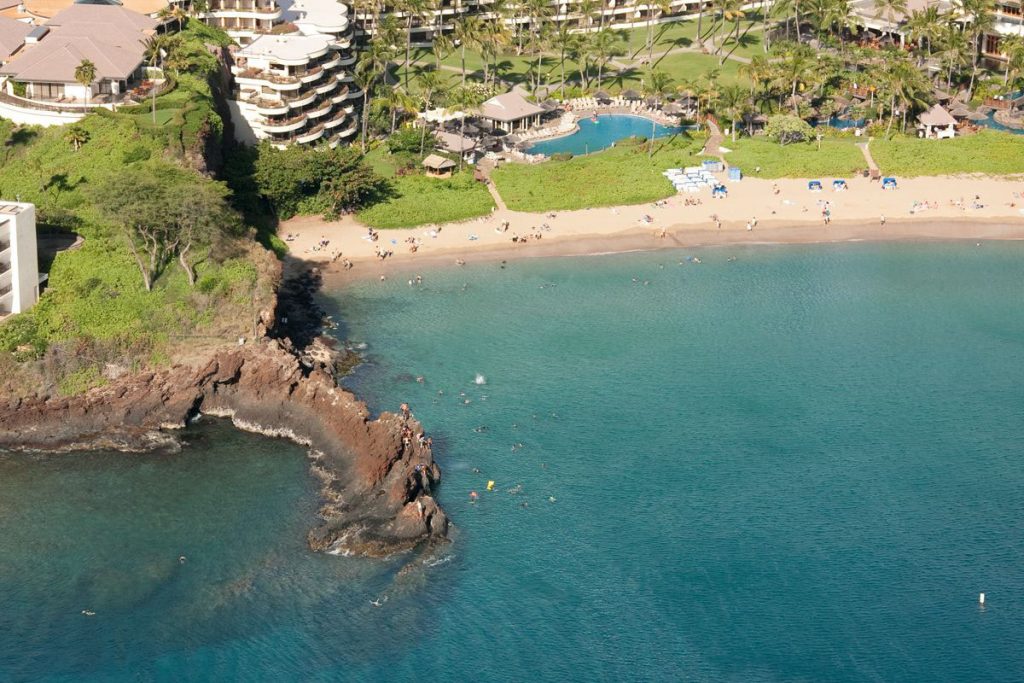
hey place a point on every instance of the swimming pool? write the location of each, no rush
(594, 136)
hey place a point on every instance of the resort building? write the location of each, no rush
(38, 82)
(12, 37)
(19, 264)
(609, 14)
(510, 112)
(292, 89)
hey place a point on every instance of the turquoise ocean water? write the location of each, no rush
(803, 464)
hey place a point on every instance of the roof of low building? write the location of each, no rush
(110, 37)
(936, 116)
(509, 107)
(454, 142)
(12, 36)
(436, 162)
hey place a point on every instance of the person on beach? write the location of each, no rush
(882, 220)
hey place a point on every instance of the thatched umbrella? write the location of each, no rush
(960, 111)
(673, 109)
(630, 95)
(977, 116)
(601, 95)
(651, 101)
(550, 105)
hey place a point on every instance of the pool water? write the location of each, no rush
(594, 136)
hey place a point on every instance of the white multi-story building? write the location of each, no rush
(19, 262)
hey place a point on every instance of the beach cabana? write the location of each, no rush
(838, 184)
(936, 123)
(735, 173)
(814, 186)
(438, 167)
(889, 183)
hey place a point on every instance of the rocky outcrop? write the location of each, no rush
(377, 475)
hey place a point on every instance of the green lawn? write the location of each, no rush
(992, 152)
(420, 200)
(620, 175)
(837, 158)
(163, 116)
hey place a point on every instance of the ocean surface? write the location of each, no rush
(803, 464)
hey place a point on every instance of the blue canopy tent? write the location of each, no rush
(838, 184)
(889, 183)
(719, 192)
(814, 186)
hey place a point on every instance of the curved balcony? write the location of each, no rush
(271, 107)
(351, 130)
(286, 126)
(310, 135)
(328, 85)
(346, 61)
(259, 78)
(332, 61)
(323, 109)
(266, 13)
(338, 119)
(313, 74)
(301, 100)
(341, 96)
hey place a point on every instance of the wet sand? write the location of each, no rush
(785, 212)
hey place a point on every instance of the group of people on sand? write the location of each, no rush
(692, 201)
(384, 253)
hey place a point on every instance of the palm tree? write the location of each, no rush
(495, 37)
(77, 136)
(464, 99)
(581, 50)
(980, 14)
(563, 40)
(1012, 48)
(179, 15)
(888, 9)
(85, 74)
(656, 84)
(734, 102)
(663, 7)
(587, 9)
(442, 46)
(468, 31)
(369, 68)
(430, 83)
(413, 9)
(732, 11)
(927, 25)
(399, 101)
(796, 68)
(538, 11)
(605, 44)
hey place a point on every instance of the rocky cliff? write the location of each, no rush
(377, 475)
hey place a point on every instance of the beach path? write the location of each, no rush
(485, 167)
(872, 166)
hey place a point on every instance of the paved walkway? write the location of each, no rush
(485, 166)
(713, 147)
(872, 166)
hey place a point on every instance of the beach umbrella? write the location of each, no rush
(977, 116)
(602, 95)
(960, 111)
(672, 108)
(651, 101)
(631, 94)
(550, 105)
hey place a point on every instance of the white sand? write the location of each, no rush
(794, 214)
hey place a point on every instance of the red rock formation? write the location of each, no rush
(377, 476)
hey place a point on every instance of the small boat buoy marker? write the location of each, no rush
(981, 598)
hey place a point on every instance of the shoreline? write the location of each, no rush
(641, 241)
(782, 212)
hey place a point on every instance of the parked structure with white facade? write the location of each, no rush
(292, 89)
(19, 262)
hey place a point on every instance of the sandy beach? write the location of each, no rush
(783, 211)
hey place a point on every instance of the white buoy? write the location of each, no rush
(981, 598)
